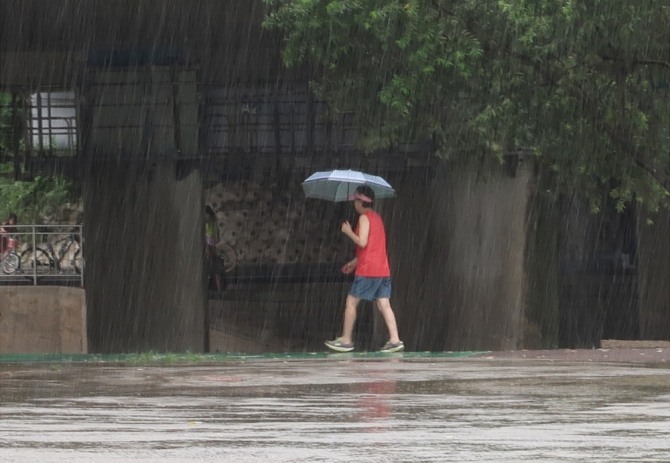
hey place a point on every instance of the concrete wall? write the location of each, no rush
(542, 313)
(284, 317)
(486, 232)
(144, 266)
(144, 216)
(142, 110)
(42, 319)
(49, 43)
(653, 269)
(457, 245)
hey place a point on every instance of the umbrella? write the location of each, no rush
(339, 185)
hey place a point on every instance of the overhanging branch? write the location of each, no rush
(653, 62)
(659, 173)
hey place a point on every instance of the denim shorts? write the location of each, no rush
(371, 288)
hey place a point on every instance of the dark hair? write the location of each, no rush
(209, 211)
(12, 216)
(367, 191)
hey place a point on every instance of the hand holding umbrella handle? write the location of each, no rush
(346, 228)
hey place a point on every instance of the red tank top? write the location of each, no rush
(372, 259)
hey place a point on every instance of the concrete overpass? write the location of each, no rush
(173, 96)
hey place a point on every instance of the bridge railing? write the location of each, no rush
(42, 254)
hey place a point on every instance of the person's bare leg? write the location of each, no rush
(384, 306)
(349, 318)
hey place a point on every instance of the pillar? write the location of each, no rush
(144, 267)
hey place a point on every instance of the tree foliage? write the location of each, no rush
(33, 198)
(581, 85)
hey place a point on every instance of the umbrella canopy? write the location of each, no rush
(339, 185)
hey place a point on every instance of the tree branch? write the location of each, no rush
(658, 173)
(643, 61)
(662, 176)
(653, 62)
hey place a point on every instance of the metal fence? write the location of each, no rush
(42, 254)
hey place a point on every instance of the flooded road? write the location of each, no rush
(336, 408)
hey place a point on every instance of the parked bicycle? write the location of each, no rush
(228, 255)
(59, 256)
(10, 261)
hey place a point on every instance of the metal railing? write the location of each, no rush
(42, 254)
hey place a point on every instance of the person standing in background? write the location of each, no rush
(6, 231)
(214, 264)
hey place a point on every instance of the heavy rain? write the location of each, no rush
(186, 230)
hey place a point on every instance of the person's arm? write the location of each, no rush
(350, 266)
(360, 240)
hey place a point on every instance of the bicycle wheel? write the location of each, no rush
(37, 261)
(72, 259)
(78, 261)
(11, 263)
(228, 254)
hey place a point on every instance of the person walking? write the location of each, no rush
(372, 277)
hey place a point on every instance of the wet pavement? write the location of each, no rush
(561, 406)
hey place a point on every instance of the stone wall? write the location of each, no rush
(269, 222)
(42, 319)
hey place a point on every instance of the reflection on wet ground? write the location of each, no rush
(336, 408)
